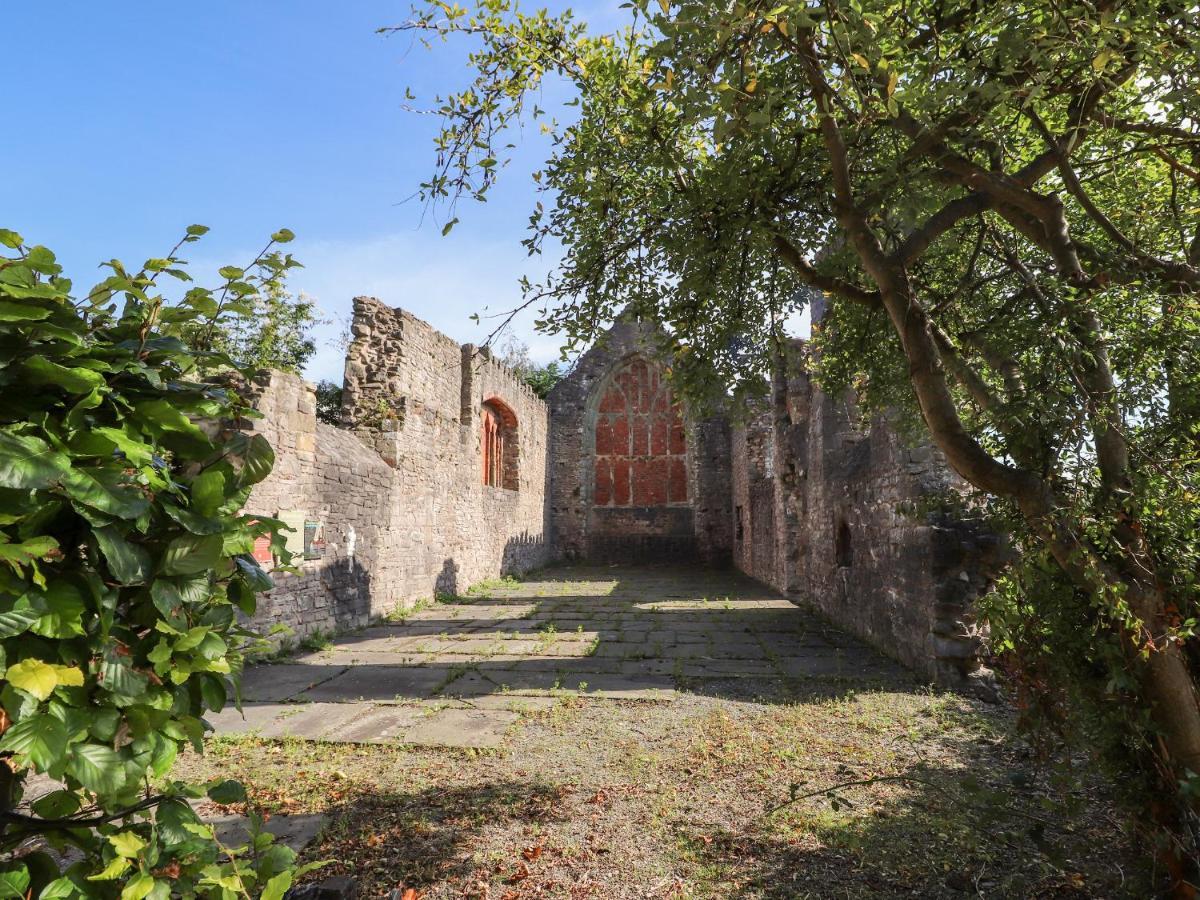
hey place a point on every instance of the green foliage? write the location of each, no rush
(514, 353)
(126, 562)
(329, 402)
(998, 203)
(543, 378)
(275, 335)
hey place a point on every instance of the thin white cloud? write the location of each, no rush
(443, 281)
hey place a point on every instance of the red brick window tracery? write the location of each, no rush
(641, 447)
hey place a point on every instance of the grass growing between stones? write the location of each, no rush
(693, 799)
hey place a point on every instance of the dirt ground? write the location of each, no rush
(716, 786)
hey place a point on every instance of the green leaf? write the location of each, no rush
(257, 462)
(106, 491)
(283, 236)
(170, 595)
(127, 843)
(96, 767)
(137, 452)
(129, 563)
(10, 238)
(277, 886)
(19, 618)
(193, 522)
(212, 691)
(171, 817)
(26, 552)
(446, 229)
(64, 611)
(42, 739)
(12, 311)
(208, 491)
(227, 791)
(137, 887)
(191, 554)
(197, 230)
(119, 678)
(161, 414)
(28, 463)
(192, 638)
(39, 370)
(256, 579)
(114, 870)
(14, 877)
(56, 804)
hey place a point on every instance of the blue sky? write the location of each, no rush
(129, 121)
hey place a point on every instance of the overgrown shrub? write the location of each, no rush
(125, 562)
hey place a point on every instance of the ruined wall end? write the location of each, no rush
(416, 396)
(326, 477)
(395, 501)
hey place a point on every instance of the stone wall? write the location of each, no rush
(826, 507)
(633, 477)
(327, 476)
(805, 495)
(403, 475)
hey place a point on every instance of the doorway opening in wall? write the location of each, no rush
(498, 446)
(843, 548)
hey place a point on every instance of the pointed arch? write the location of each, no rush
(640, 448)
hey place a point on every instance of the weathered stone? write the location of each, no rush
(820, 511)
(807, 496)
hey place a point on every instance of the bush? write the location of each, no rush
(125, 564)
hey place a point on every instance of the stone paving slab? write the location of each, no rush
(364, 723)
(296, 832)
(460, 673)
(376, 682)
(282, 681)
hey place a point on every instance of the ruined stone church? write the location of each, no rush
(447, 470)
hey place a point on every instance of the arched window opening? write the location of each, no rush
(641, 445)
(843, 548)
(499, 450)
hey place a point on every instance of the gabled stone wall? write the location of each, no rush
(628, 504)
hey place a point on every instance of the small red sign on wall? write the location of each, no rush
(262, 549)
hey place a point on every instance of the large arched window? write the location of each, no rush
(641, 447)
(498, 445)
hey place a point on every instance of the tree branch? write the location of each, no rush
(919, 240)
(791, 254)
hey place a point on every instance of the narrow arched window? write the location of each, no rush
(498, 446)
(843, 548)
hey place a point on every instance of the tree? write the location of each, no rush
(126, 562)
(514, 353)
(329, 402)
(543, 378)
(998, 200)
(275, 334)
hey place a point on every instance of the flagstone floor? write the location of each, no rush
(459, 673)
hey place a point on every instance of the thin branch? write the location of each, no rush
(70, 824)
